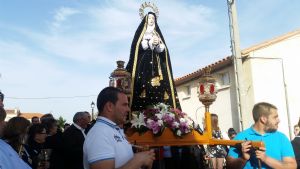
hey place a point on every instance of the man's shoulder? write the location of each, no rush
(280, 135)
(296, 139)
(5, 148)
(9, 159)
(243, 134)
(100, 130)
(71, 129)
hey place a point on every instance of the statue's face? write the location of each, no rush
(151, 20)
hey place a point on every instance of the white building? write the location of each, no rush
(269, 74)
(10, 113)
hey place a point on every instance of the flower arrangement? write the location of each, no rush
(161, 116)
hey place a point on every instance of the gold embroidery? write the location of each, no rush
(143, 94)
(159, 68)
(155, 81)
(166, 96)
(170, 79)
(135, 60)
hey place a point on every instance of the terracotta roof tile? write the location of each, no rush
(30, 115)
(198, 73)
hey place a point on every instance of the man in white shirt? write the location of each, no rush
(105, 146)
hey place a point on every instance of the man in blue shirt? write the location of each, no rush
(278, 151)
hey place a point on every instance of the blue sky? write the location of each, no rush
(68, 48)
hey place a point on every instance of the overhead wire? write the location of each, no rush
(45, 98)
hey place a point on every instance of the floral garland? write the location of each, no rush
(161, 116)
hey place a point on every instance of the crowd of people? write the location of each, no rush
(40, 144)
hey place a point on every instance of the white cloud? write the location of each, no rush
(61, 15)
(102, 33)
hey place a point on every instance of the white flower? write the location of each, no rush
(149, 121)
(176, 124)
(182, 120)
(162, 107)
(163, 112)
(138, 120)
(178, 133)
(171, 115)
(160, 122)
(190, 122)
(159, 116)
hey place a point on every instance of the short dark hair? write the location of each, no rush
(49, 124)
(108, 94)
(79, 115)
(45, 117)
(33, 130)
(1, 96)
(231, 132)
(2, 114)
(66, 124)
(35, 117)
(262, 109)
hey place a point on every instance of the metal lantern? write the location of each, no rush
(207, 89)
(120, 78)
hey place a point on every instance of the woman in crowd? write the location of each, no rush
(36, 139)
(217, 153)
(15, 132)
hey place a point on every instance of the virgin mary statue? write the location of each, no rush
(150, 67)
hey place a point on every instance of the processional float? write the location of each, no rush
(207, 94)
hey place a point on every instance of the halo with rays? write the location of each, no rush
(148, 5)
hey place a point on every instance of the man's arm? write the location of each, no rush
(139, 160)
(241, 161)
(287, 162)
(235, 162)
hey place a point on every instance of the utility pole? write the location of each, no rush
(237, 59)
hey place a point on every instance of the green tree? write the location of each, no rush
(61, 122)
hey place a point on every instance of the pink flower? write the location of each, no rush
(155, 126)
(161, 116)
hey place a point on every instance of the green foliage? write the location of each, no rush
(61, 122)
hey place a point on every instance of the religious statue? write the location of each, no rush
(150, 66)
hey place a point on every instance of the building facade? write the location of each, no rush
(269, 74)
(10, 113)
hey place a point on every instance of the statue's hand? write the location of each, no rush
(155, 40)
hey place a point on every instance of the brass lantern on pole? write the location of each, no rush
(120, 78)
(207, 89)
